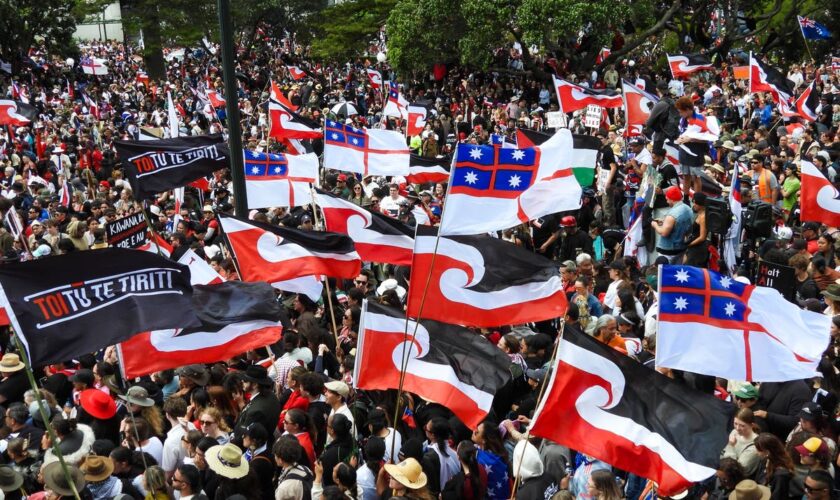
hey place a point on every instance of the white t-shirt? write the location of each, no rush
(154, 448)
(173, 453)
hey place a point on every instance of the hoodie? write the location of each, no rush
(535, 484)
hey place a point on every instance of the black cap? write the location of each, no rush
(83, 376)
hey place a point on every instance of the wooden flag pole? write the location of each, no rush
(326, 280)
(551, 366)
(43, 411)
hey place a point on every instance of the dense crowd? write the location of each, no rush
(287, 423)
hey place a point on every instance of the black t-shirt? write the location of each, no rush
(548, 225)
(668, 177)
(14, 387)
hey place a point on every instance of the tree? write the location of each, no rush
(342, 31)
(26, 23)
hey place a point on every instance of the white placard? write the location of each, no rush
(593, 116)
(556, 119)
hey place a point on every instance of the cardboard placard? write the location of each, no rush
(778, 277)
(593, 116)
(128, 232)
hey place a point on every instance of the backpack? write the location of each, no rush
(671, 127)
(306, 477)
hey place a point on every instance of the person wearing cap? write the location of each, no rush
(574, 239)
(674, 227)
(264, 407)
(811, 233)
(765, 183)
(813, 419)
(815, 454)
(336, 393)
(340, 188)
(746, 396)
(618, 275)
(568, 275)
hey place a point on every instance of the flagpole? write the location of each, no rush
(24, 356)
(326, 279)
(405, 354)
(152, 230)
(551, 366)
(799, 21)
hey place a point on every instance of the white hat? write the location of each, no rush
(391, 284)
(154, 209)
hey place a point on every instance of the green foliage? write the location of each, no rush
(343, 31)
(23, 22)
(423, 32)
(177, 22)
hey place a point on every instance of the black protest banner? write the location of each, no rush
(80, 302)
(128, 232)
(155, 166)
(778, 277)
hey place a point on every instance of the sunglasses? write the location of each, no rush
(206, 422)
(809, 489)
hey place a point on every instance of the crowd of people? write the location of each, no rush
(292, 426)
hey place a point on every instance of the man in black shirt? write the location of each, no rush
(663, 176)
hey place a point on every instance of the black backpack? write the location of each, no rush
(671, 127)
(306, 477)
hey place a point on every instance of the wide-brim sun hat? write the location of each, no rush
(227, 461)
(408, 473)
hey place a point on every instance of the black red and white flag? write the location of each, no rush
(235, 317)
(634, 418)
(285, 122)
(422, 170)
(447, 364)
(81, 302)
(481, 281)
(766, 78)
(296, 73)
(683, 65)
(819, 200)
(573, 97)
(155, 166)
(377, 237)
(807, 103)
(11, 113)
(272, 253)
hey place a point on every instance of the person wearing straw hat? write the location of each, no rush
(101, 484)
(408, 479)
(233, 469)
(14, 382)
(750, 490)
(56, 481)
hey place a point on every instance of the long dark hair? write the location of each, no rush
(346, 476)
(467, 454)
(441, 431)
(777, 456)
(374, 454)
(493, 441)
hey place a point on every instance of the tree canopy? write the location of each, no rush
(51, 23)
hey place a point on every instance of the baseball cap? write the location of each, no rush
(746, 391)
(811, 411)
(569, 265)
(813, 446)
(537, 375)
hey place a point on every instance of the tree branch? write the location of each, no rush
(640, 39)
